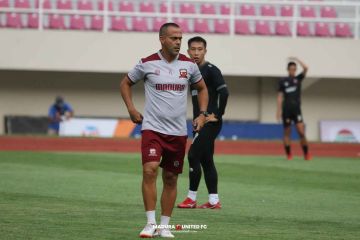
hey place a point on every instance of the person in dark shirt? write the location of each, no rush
(289, 106)
(201, 152)
(58, 112)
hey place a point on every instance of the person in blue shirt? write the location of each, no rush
(58, 112)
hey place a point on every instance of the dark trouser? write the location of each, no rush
(201, 154)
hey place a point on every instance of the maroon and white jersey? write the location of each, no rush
(166, 86)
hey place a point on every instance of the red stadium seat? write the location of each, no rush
(46, 4)
(147, 7)
(13, 20)
(328, 12)
(126, 6)
(184, 24)
(56, 21)
(343, 30)
(247, 10)
(207, 8)
(85, 5)
(64, 4)
(221, 26)
(4, 4)
(164, 7)
(322, 29)
(262, 28)
(97, 23)
(157, 23)
(22, 4)
(286, 11)
(187, 8)
(225, 9)
(201, 26)
(307, 11)
(242, 27)
(282, 29)
(268, 10)
(118, 24)
(77, 22)
(303, 29)
(110, 5)
(139, 24)
(32, 20)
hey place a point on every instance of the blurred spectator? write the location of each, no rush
(58, 112)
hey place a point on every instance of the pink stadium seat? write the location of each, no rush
(86, 5)
(207, 8)
(322, 29)
(22, 4)
(268, 10)
(262, 28)
(13, 20)
(282, 29)
(77, 22)
(201, 26)
(343, 30)
(139, 24)
(97, 23)
(184, 24)
(303, 29)
(221, 26)
(286, 11)
(4, 4)
(110, 5)
(118, 24)
(157, 23)
(64, 4)
(56, 21)
(328, 12)
(46, 4)
(247, 10)
(242, 27)
(307, 11)
(126, 6)
(32, 20)
(147, 7)
(187, 8)
(164, 7)
(225, 9)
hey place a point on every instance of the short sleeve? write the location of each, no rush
(300, 77)
(280, 86)
(217, 78)
(68, 107)
(195, 75)
(137, 73)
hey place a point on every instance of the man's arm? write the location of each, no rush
(279, 106)
(125, 90)
(302, 64)
(203, 99)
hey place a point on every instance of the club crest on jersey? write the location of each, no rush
(183, 73)
(152, 152)
(157, 72)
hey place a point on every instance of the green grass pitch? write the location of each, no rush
(97, 196)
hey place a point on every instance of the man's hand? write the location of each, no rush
(199, 122)
(211, 118)
(135, 116)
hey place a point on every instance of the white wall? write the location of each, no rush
(118, 52)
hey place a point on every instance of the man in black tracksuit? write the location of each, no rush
(289, 106)
(201, 152)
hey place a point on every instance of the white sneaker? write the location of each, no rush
(149, 231)
(165, 233)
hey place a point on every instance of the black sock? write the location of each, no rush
(305, 149)
(287, 149)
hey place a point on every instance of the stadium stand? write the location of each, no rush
(265, 18)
